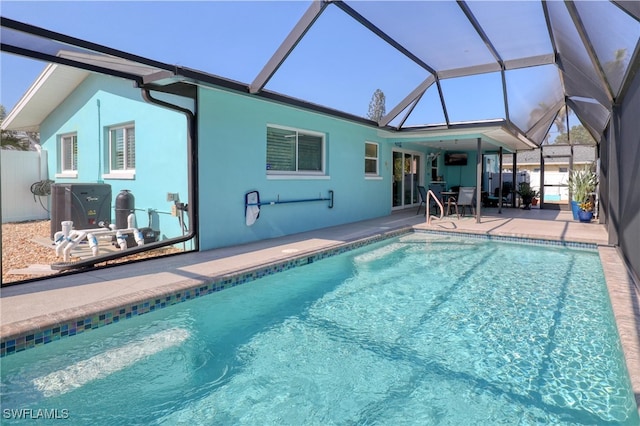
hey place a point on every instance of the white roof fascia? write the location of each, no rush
(50, 88)
(493, 132)
(31, 91)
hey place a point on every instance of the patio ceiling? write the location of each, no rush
(517, 64)
(493, 135)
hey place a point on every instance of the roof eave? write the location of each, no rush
(36, 105)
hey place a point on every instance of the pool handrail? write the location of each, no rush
(431, 194)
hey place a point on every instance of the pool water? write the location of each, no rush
(420, 329)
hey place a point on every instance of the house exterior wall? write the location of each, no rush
(462, 175)
(160, 146)
(232, 161)
(232, 144)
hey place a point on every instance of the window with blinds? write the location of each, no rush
(122, 148)
(294, 151)
(69, 153)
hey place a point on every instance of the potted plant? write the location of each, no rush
(582, 183)
(586, 211)
(527, 194)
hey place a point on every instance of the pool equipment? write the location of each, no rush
(67, 239)
(85, 204)
(252, 207)
(123, 234)
(125, 205)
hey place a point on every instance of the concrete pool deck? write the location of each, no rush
(42, 304)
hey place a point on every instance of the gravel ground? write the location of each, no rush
(19, 250)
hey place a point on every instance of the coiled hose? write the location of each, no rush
(41, 189)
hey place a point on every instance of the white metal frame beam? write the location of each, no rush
(411, 97)
(546, 118)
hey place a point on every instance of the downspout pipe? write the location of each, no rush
(99, 180)
(192, 167)
(192, 162)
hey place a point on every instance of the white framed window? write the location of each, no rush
(295, 152)
(122, 152)
(68, 156)
(69, 153)
(371, 159)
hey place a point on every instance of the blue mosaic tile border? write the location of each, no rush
(15, 344)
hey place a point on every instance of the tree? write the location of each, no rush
(9, 139)
(377, 109)
(579, 136)
(20, 141)
(560, 120)
(614, 70)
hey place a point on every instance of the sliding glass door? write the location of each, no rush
(407, 173)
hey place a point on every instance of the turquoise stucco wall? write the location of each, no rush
(462, 175)
(232, 161)
(161, 147)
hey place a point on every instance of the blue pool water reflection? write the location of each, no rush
(420, 329)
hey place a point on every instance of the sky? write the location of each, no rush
(231, 39)
(338, 63)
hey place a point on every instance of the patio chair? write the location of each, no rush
(436, 188)
(423, 199)
(466, 197)
(505, 196)
(507, 193)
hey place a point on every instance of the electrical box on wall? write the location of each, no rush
(85, 204)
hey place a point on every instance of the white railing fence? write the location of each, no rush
(19, 171)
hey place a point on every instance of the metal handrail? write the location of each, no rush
(431, 194)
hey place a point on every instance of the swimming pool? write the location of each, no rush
(420, 329)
